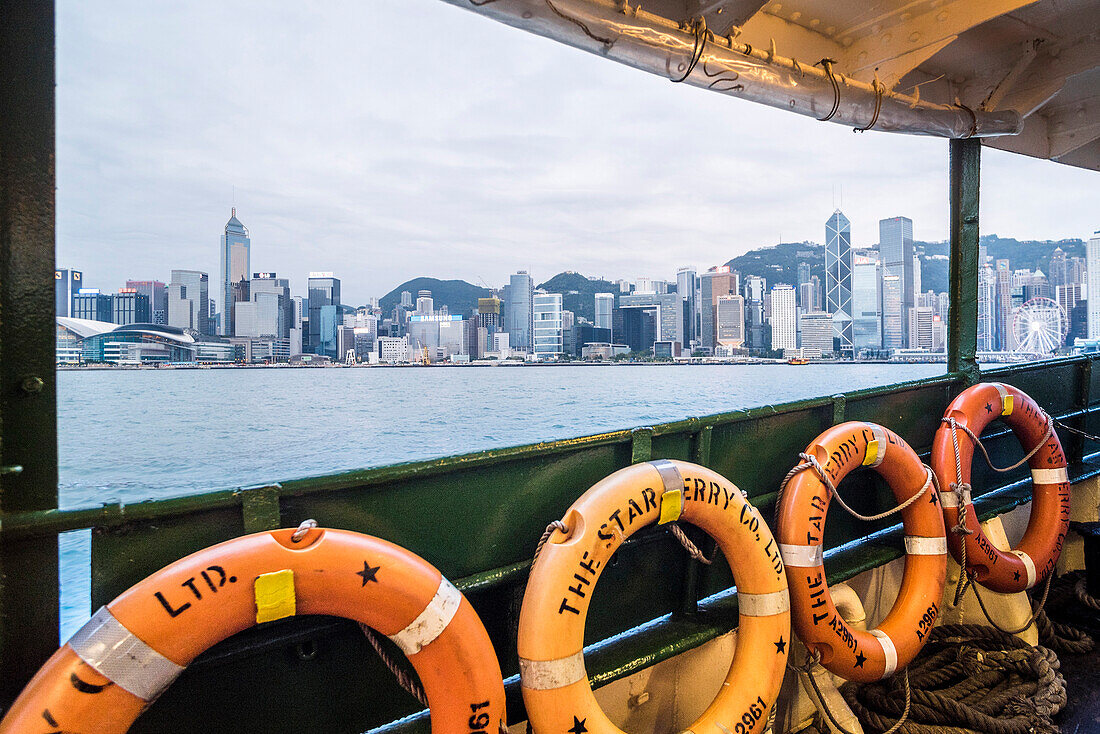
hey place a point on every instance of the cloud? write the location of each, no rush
(397, 138)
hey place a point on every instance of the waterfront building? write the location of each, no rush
(70, 336)
(236, 264)
(921, 328)
(650, 317)
(454, 337)
(896, 252)
(130, 307)
(324, 305)
(1092, 259)
(893, 332)
(715, 283)
(139, 343)
(568, 324)
(188, 301)
(548, 336)
(392, 349)
(157, 293)
(838, 278)
(605, 306)
(686, 287)
(91, 305)
(784, 320)
(585, 334)
(67, 283)
(818, 332)
(866, 303)
(520, 315)
(730, 321)
(269, 310)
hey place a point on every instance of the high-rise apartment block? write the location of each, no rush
(784, 317)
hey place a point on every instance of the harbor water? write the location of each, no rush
(131, 435)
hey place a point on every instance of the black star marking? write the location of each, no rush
(988, 408)
(932, 501)
(368, 573)
(781, 646)
(1015, 575)
(860, 660)
(578, 726)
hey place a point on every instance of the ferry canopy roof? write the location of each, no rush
(1024, 75)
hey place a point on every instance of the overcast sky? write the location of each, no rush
(386, 139)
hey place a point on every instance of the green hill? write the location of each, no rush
(578, 292)
(779, 263)
(1021, 254)
(458, 296)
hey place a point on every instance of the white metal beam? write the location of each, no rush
(1072, 127)
(1048, 73)
(899, 42)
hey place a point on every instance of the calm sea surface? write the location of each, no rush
(138, 434)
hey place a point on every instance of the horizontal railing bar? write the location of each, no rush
(41, 523)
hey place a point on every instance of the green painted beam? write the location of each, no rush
(962, 317)
(28, 404)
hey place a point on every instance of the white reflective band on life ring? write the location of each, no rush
(877, 444)
(1050, 476)
(801, 556)
(1029, 565)
(888, 650)
(916, 545)
(115, 653)
(948, 498)
(763, 605)
(546, 675)
(1006, 399)
(431, 622)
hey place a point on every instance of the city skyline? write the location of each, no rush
(528, 170)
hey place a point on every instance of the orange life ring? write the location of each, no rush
(554, 683)
(854, 654)
(975, 408)
(132, 649)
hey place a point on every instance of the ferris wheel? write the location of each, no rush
(1039, 326)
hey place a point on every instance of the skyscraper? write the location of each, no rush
(838, 277)
(269, 310)
(866, 302)
(605, 307)
(987, 299)
(324, 307)
(895, 245)
(1003, 305)
(189, 301)
(893, 332)
(1057, 269)
(715, 283)
(520, 300)
(130, 307)
(67, 283)
(730, 321)
(547, 326)
(236, 265)
(1092, 260)
(686, 286)
(784, 315)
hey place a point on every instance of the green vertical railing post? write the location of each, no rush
(962, 319)
(28, 401)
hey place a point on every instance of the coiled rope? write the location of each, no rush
(969, 679)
